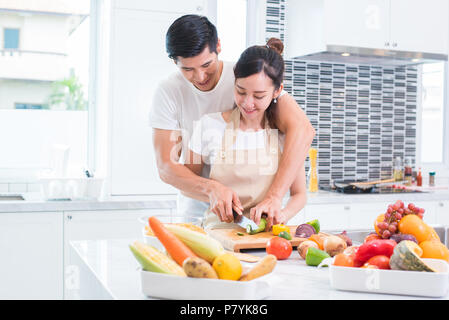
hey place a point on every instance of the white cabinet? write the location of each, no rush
(442, 209)
(399, 25)
(99, 225)
(31, 254)
(331, 216)
(138, 62)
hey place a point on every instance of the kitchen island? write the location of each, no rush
(106, 269)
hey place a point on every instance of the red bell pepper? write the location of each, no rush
(374, 248)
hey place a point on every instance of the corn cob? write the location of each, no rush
(153, 260)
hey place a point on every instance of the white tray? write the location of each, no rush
(429, 284)
(166, 286)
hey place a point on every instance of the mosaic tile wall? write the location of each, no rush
(364, 115)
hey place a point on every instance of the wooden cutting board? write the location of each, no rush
(232, 241)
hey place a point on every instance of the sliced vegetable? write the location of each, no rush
(315, 224)
(175, 247)
(263, 267)
(201, 244)
(334, 245)
(198, 268)
(406, 257)
(153, 260)
(304, 230)
(261, 227)
(344, 260)
(304, 246)
(286, 235)
(278, 228)
(314, 256)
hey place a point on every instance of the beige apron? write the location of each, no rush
(247, 172)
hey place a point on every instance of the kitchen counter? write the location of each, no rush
(34, 203)
(106, 269)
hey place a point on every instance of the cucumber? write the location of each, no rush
(261, 228)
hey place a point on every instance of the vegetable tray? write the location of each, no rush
(166, 286)
(415, 283)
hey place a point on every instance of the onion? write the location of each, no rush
(334, 245)
(345, 237)
(304, 230)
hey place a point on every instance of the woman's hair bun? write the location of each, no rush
(276, 44)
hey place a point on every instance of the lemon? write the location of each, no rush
(227, 266)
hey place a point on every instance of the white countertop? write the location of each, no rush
(34, 203)
(111, 272)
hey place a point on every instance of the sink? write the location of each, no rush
(11, 197)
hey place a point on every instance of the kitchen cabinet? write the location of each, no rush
(31, 250)
(138, 61)
(397, 25)
(331, 216)
(99, 225)
(442, 213)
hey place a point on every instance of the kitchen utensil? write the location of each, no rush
(243, 221)
(236, 239)
(350, 187)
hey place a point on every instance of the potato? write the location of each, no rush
(263, 267)
(304, 246)
(198, 268)
(334, 245)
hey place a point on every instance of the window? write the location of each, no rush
(433, 125)
(44, 87)
(231, 28)
(11, 38)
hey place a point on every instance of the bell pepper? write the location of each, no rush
(278, 228)
(374, 248)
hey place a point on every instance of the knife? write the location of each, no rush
(244, 222)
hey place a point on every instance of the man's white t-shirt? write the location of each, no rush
(178, 104)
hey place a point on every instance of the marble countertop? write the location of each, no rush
(110, 265)
(35, 203)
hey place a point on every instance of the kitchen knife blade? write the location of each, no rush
(243, 221)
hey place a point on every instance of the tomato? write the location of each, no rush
(279, 247)
(371, 236)
(344, 260)
(381, 262)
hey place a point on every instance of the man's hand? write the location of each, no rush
(271, 207)
(222, 200)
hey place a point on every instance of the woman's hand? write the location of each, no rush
(223, 200)
(271, 208)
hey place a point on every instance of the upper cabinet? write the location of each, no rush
(398, 25)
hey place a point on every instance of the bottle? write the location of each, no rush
(408, 172)
(397, 169)
(313, 175)
(419, 178)
(432, 179)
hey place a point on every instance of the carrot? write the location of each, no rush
(175, 247)
(317, 239)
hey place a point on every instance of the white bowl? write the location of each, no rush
(152, 240)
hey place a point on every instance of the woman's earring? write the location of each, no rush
(275, 100)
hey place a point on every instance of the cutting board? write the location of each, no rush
(232, 241)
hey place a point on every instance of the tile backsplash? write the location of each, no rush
(364, 115)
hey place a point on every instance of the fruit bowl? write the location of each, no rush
(150, 239)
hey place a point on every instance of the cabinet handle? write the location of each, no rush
(395, 44)
(387, 44)
(441, 204)
(199, 8)
(69, 217)
(346, 208)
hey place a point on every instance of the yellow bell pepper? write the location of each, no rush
(278, 228)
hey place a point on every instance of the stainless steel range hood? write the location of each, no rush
(357, 55)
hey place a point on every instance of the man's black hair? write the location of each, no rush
(189, 35)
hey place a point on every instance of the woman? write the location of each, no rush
(242, 144)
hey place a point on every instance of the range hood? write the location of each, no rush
(383, 57)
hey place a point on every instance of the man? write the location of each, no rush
(204, 84)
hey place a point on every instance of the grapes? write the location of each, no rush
(394, 213)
